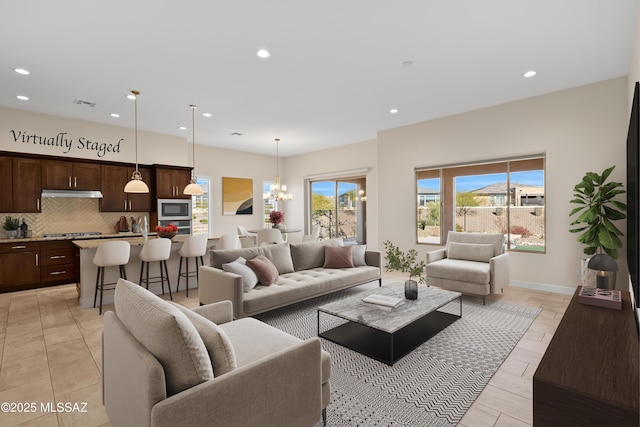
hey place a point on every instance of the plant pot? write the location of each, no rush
(411, 289)
(279, 226)
(12, 234)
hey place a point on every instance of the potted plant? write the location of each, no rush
(597, 210)
(406, 263)
(11, 225)
(276, 218)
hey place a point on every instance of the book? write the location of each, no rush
(600, 297)
(382, 300)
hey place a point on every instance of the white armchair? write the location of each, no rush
(166, 365)
(471, 263)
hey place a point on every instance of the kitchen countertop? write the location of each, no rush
(78, 240)
(133, 240)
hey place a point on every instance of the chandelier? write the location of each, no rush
(277, 191)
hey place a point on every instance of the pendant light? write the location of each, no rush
(277, 192)
(136, 185)
(193, 189)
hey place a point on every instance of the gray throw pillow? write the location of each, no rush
(479, 252)
(223, 358)
(280, 256)
(239, 267)
(166, 333)
(308, 255)
(223, 256)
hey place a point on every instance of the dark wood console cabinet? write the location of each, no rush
(589, 375)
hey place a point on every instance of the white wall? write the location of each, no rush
(152, 147)
(581, 129)
(331, 162)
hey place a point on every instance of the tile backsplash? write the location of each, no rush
(71, 215)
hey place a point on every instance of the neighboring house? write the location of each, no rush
(522, 195)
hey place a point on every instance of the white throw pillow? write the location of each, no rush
(239, 267)
(358, 255)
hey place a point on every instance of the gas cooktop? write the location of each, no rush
(80, 234)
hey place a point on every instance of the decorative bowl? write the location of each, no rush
(167, 234)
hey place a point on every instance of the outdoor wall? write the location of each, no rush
(330, 163)
(581, 129)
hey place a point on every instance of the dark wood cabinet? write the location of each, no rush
(19, 265)
(170, 181)
(63, 175)
(589, 374)
(26, 185)
(58, 262)
(114, 199)
(6, 177)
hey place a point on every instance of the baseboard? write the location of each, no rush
(565, 290)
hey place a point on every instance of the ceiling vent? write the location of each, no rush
(87, 103)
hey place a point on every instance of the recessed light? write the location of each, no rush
(530, 73)
(22, 71)
(207, 114)
(407, 64)
(22, 97)
(116, 115)
(263, 53)
(182, 127)
(393, 110)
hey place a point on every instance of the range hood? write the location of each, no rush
(81, 194)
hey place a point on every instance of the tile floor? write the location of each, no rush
(50, 353)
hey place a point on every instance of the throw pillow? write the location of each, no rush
(239, 267)
(265, 270)
(338, 257)
(217, 257)
(358, 255)
(166, 333)
(223, 358)
(479, 252)
(308, 255)
(280, 256)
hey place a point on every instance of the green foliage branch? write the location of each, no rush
(404, 262)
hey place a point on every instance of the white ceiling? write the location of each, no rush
(335, 69)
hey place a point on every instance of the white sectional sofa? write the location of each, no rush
(301, 275)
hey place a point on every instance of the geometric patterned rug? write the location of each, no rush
(434, 385)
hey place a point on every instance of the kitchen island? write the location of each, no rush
(88, 271)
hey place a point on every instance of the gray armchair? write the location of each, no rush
(165, 365)
(471, 263)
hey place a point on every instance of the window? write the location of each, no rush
(201, 209)
(268, 205)
(505, 196)
(338, 207)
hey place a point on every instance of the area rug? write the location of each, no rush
(434, 385)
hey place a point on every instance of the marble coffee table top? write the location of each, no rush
(354, 310)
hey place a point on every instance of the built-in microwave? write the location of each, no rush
(176, 212)
(174, 209)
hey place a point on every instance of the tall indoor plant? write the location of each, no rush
(598, 209)
(406, 263)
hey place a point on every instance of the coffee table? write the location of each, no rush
(388, 335)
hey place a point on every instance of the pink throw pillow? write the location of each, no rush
(265, 270)
(338, 257)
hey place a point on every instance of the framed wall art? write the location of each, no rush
(237, 196)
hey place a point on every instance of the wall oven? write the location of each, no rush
(176, 212)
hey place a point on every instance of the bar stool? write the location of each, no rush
(194, 247)
(110, 254)
(156, 250)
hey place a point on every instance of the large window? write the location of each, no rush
(338, 208)
(505, 196)
(201, 211)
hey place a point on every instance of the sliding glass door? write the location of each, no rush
(338, 208)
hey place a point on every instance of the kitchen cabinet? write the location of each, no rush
(27, 187)
(19, 265)
(114, 199)
(6, 177)
(58, 262)
(63, 175)
(170, 181)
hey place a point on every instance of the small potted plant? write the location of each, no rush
(406, 263)
(11, 225)
(594, 197)
(276, 218)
